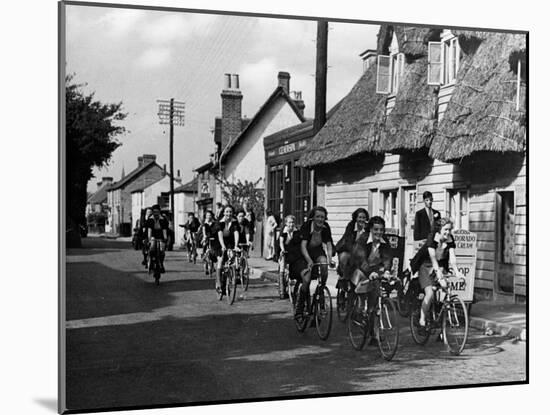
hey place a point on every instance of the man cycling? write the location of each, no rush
(157, 234)
(145, 244)
(192, 227)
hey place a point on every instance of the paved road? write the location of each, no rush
(130, 342)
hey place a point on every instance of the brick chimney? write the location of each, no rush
(146, 159)
(299, 101)
(284, 81)
(231, 109)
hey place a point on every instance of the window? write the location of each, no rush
(301, 194)
(275, 197)
(389, 70)
(443, 60)
(457, 208)
(389, 208)
(389, 73)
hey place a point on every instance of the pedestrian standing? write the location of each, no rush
(251, 218)
(270, 226)
(425, 219)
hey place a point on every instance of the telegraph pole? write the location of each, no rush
(321, 76)
(173, 113)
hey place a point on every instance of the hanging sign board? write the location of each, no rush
(466, 255)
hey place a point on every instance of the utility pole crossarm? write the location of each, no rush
(171, 112)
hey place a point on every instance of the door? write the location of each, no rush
(409, 210)
(505, 224)
(287, 192)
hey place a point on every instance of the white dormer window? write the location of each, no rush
(443, 60)
(389, 70)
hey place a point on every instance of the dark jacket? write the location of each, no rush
(422, 227)
(361, 251)
(345, 244)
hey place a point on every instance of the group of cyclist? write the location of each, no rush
(230, 231)
(363, 253)
(364, 256)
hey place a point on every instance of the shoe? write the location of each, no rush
(144, 262)
(373, 341)
(162, 270)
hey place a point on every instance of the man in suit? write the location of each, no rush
(425, 218)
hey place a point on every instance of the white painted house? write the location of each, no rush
(185, 198)
(152, 194)
(243, 157)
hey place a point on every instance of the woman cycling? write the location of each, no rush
(209, 236)
(436, 255)
(355, 228)
(370, 259)
(244, 230)
(289, 243)
(228, 237)
(315, 247)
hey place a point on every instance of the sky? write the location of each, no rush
(139, 56)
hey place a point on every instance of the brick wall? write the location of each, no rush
(231, 122)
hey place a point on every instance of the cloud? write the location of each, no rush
(177, 26)
(120, 22)
(154, 57)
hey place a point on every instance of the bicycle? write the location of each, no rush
(318, 308)
(228, 278)
(154, 260)
(381, 321)
(343, 298)
(283, 280)
(407, 293)
(448, 315)
(209, 266)
(191, 245)
(242, 268)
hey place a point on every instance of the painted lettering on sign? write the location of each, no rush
(466, 243)
(288, 148)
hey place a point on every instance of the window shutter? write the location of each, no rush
(435, 64)
(401, 64)
(383, 74)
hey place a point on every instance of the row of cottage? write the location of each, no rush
(116, 208)
(438, 110)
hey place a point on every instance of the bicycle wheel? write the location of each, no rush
(323, 313)
(245, 274)
(231, 285)
(358, 326)
(419, 336)
(342, 304)
(301, 323)
(455, 325)
(387, 329)
(404, 300)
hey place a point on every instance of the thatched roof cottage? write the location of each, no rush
(442, 111)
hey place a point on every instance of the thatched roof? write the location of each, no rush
(354, 127)
(410, 124)
(482, 115)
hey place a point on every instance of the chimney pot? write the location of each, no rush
(284, 81)
(235, 81)
(227, 83)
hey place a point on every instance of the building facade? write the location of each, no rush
(437, 111)
(119, 194)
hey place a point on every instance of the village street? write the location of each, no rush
(130, 342)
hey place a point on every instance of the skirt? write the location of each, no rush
(426, 275)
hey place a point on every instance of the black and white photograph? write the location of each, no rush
(264, 207)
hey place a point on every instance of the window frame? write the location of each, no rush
(446, 44)
(463, 213)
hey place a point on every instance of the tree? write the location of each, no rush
(90, 133)
(237, 193)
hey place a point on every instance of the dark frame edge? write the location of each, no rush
(61, 378)
(280, 16)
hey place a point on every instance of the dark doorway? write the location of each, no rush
(505, 235)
